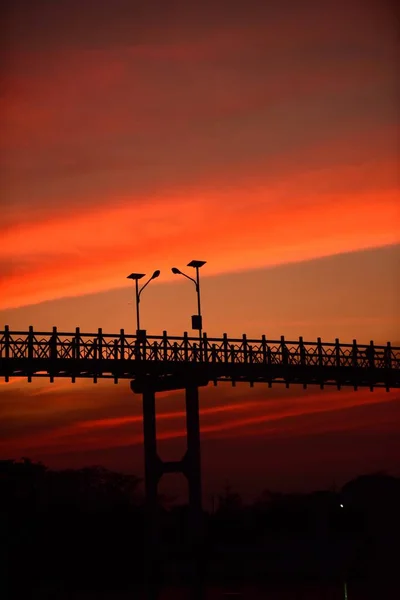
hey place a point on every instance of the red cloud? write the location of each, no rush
(216, 421)
(241, 229)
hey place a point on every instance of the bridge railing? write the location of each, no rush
(100, 346)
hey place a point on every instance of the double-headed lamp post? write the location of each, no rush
(197, 320)
(136, 277)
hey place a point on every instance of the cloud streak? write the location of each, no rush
(141, 143)
(90, 253)
(279, 413)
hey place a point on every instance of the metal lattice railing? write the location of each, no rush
(100, 346)
(28, 352)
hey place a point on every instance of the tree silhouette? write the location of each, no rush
(84, 528)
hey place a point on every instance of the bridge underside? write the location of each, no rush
(178, 375)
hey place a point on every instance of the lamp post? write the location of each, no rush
(197, 320)
(136, 277)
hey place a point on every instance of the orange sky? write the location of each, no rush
(261, 137)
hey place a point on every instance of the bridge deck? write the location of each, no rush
(87, 355)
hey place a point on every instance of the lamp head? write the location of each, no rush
(136, 276)
(156, 274)
(175, 271)
(196, 263)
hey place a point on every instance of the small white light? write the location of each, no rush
(341, 506)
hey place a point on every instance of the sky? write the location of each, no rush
(259, 137)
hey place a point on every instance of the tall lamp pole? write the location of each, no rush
(197, 320)
(136, 277)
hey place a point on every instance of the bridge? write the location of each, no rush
(159, 363)
(168, 361)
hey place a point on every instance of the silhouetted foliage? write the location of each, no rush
(86, 527)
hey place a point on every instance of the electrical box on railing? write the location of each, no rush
(197, 322)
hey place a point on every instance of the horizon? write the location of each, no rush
(228, 487)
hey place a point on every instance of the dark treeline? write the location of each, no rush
(85, 529)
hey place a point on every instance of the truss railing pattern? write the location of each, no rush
(59, 354)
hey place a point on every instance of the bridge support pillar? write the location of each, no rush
(151, 477)
(154, 468)
(151, 474)
(192, 462)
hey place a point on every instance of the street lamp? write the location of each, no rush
(136, 277)
(197, 320)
